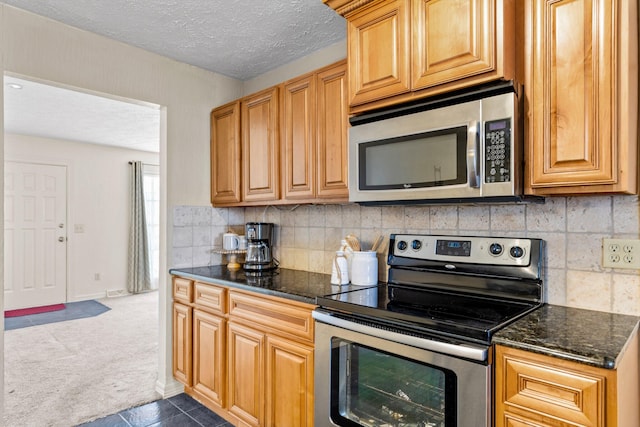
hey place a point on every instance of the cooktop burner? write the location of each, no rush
(432, 292)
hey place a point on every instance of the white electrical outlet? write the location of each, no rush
(621, 253)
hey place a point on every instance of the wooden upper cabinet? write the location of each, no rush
(446, 49)
(260, 145)
(314, 136)
(378, 51)
(298, 138)
(225, 154)
(582, 96)
(332, 132)
(401, 50)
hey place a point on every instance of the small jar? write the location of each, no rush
(340, 270)
(364, 268)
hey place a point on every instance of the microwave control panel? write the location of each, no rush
(497, 156)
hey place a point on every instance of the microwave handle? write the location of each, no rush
(473, 139)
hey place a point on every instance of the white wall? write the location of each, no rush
(98, 199)
(311, 62)
(40, 48)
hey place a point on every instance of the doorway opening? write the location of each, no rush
(93, 137)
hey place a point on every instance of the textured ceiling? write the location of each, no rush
(237, 38)
(52, 112)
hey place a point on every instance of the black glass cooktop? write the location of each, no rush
(432, 312)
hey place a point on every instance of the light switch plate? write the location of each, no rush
(621, 253)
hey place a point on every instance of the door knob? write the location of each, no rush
(60, 239)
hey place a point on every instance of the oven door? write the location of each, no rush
(366, 380)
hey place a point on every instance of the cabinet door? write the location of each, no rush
(572, 93)
(182, 328)
(225, 154)
(289, 391)
(260, 155)
(332, 140)
(452, 40)
(209, 349)
(246, 374)
(378, 51)
(298, 137)
(533, 388)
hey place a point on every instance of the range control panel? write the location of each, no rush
(474, 250)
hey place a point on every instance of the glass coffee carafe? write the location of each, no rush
(259, 244)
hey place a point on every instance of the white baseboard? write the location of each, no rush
(169, 389)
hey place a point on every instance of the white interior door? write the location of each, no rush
(35, 233)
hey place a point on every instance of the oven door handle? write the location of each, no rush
(473, 139)
(467, 351)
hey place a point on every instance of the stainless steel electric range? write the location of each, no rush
(416, 351)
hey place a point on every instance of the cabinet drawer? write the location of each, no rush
(182, 290)
(549, 390)
(210, 297)
(271, 315)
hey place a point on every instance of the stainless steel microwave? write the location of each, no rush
(462, 148)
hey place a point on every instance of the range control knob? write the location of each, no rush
(416, 245)
(495, 249)
(516, 252)
(402, 245)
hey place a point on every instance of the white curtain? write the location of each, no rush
(139, 271)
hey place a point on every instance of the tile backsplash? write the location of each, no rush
(307, 236)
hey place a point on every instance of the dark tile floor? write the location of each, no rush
(177, 411)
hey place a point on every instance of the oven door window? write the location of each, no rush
(370, 387)
(427, 159)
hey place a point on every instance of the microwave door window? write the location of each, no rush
(424, 160)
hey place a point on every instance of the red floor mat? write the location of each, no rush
(33, 310)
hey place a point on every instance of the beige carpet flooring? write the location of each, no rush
(63, 374)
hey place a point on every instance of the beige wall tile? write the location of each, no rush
(589, 290)
(507, 218)
(317, 215)
(550, 216)
(393, 218)
(592, 214)
(333, 216)
(416, 219)
(371, 217)
(443, 218)
(316, 238)
(351, 216)
(316, 261)
(573, 229)
(332, 238)
(555, 248)
(301, 236)
(626, 294)
(474, 217)
(555, 286)
(626, 215)
(300, 259)
(287, 237)
(584, 251)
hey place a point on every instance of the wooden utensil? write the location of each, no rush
(377, 243)
(353, 242)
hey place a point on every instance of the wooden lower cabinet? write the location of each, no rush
(289, 397)
(182, 327)
(246, 356)
(209, 351)
(246, 374)
(535, 390)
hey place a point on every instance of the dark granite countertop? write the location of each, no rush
(297, 285)
(591, 337)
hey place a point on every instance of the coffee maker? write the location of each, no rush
(259, 243)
